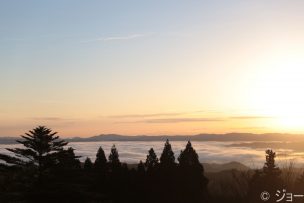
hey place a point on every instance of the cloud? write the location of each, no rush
(182, 120)
(49, 118)
(121, 37)
(180, 117)
(250, 128)
(56, 122)
(175, 120)
(145, 115)
(116, 38)
(250, 117)
(168, 114)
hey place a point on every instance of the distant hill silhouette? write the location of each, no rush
(200, 137)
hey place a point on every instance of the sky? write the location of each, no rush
(151, 67)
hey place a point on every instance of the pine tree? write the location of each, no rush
(114, 158)
(268, 179)
(167, 158)
(270, 168)
(41, 149)
(101, 160)
(188, 158)
(68, 159)
(152, 160)
(193, 183)
(88, 165)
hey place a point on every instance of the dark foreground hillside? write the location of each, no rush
(44, 171)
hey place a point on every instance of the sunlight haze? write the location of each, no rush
(152, 67)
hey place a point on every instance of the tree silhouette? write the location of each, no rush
(141, 168)
(268, 179)
(270, 169)
(88, 165)
(41, 149)
(152, 160)
(68, 159)
(193, 186)
(189, 158)
(101, 160)
(114, 161)
(167, 158)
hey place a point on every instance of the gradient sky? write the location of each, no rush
(151, 67)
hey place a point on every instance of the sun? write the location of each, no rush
(278, 92)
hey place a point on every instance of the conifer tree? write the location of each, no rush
(191, 175)
(88, 164)
(68, 159)
(188, 158)
(268, 179)
(270, 168)
(114, 158)
(101, 160)
(152, 160)
(41, 149)
(167, 157)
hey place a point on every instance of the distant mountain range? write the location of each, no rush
(199, 137)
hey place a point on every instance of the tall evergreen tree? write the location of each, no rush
(88, 165)
(68, 159)
(270, 168)
(193, 185)
(268, 179)
(167, 157)
(114, 158)
(41, 149)
(152, 160)
(101, 160)
(189, 158)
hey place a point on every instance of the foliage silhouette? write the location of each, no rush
(114, 161)
(192, 180)
(41, 148)
(141, 168)
(88, 165)
(268, 179)
(188, 158)
(152, 161)
(63, 178)
(270, 169)
(68, 159)
(101, 160)
(167, 158)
